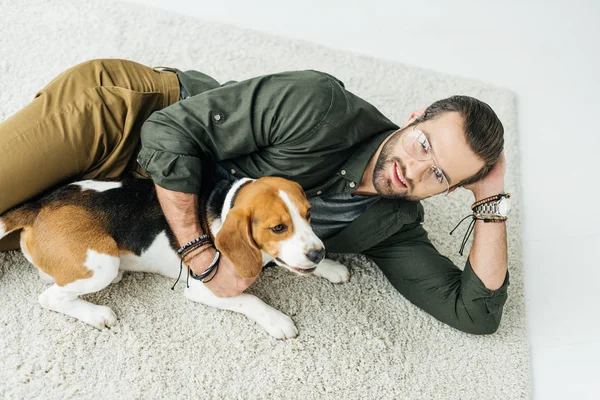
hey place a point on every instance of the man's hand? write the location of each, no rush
(181, 212)
(227, 282)
(492, 183)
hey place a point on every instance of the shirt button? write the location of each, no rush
(319, 192)
(352, 184)
(217, 117)
(343, 172)
(233, 171)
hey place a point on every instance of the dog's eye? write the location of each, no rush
(279, 228)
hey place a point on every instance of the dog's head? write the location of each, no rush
(269, 214)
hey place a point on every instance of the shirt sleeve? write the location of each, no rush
(230, 121)
(432, 282)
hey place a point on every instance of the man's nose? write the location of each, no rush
(316, 255)
(415, 169)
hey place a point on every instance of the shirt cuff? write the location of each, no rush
(474, 290)
(175, 172)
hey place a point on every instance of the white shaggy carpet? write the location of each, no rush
(360, 340)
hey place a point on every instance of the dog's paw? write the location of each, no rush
(333, 271)
(99, 316)
(278, 325)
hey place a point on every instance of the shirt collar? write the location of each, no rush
(354, 168)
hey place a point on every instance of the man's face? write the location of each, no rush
(451, 154)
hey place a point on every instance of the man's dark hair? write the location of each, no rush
(483, 130)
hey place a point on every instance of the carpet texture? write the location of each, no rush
(360, 340)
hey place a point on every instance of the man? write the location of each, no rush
(363, 175)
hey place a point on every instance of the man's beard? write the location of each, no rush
(382, 182)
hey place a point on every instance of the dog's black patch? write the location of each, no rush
(270, 264)
(217, 199)
(131, 214)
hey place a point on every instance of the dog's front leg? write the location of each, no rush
(276, 323)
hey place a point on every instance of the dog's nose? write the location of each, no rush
(316, 255)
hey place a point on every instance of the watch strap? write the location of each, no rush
(490, 208)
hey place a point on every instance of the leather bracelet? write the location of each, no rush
(202, 246)
(214, 265)
(471, 227)
(187, 256)
(490, 199)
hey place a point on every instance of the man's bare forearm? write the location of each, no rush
(181, 212)
(489, 257)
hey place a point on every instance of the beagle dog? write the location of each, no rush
(82, 236)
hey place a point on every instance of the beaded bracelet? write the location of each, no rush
(489, 199)
(499, 219)
(194, 243)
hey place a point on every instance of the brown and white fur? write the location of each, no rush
(82, 236)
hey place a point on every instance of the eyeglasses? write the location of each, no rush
(417, 146)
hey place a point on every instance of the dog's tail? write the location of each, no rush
(18, 218)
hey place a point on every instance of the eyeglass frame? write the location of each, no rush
(431, 157)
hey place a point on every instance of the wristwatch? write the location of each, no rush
(493, 208)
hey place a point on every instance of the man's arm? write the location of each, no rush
(488, 255)
(224, 123)
(181, 212)
(432, 282)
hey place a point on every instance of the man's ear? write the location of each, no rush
(235, 241)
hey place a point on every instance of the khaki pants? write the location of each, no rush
(85, 124)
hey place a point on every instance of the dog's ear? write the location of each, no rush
(235, 241)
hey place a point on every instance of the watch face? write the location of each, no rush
(504, 207)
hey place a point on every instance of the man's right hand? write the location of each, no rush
(227, 282)
(181, 212)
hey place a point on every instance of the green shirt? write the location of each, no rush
(304, 126)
